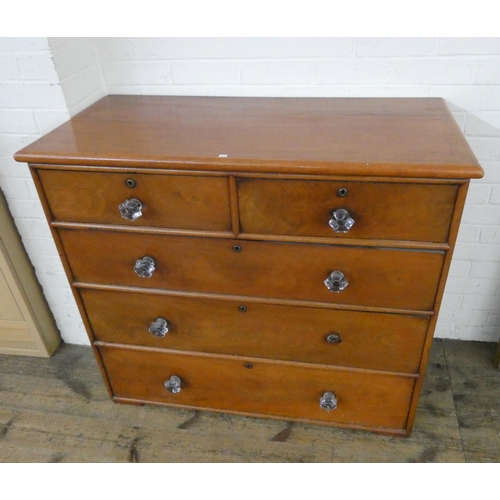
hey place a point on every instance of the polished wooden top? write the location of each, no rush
(398, 137)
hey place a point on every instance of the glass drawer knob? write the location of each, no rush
(336, 282)
(131, 209)
(145, 267)
(341, 221)
(173, 384)
(159, 327)
(333, 338)
(328, 401)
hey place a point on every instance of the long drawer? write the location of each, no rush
(393, 211)
(170, 201)
(375, 277)
(366, 399)
(391, 342)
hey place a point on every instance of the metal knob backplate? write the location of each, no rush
(173, 384)
(336, 282)
(145, 267)
(328, 401)
(131, 209)
(341, 221)
(159, 327)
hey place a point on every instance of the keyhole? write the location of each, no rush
(130, 183)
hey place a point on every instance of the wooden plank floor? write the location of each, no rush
(58, 410)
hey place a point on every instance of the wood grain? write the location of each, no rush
(383, 278)
(371, 400)
(237, 196)
(382, 137)
(367, 340)
(415, 212)
(454, 228)
(169, 201)
(43, 420)
(475, 383)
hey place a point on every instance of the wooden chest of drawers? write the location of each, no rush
(268, 257)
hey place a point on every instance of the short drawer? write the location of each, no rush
(258, 387)
(170, 201)
(380, 278)
(391, 211)
(346, 338)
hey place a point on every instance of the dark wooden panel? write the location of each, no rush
(368, 340)
(379, 278)
(418, 212)
(289, 391)
(169, 201)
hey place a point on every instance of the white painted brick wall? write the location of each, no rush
(79, 71)
(466, 72)
(31, 104)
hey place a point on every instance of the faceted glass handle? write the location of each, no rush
(159, 327)
(173, 384)
(131, 209)
(328, 401)
(341, 221)
(336, 282)
(145, 267)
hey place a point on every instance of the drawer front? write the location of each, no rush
(228, 384)
(171, 201)
(365, 340)
(381, 278)
(265, 388)
(392, 211)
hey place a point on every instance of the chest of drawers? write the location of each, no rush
(268, 257)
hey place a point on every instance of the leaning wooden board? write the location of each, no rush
(262, 256)
(27, 327)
